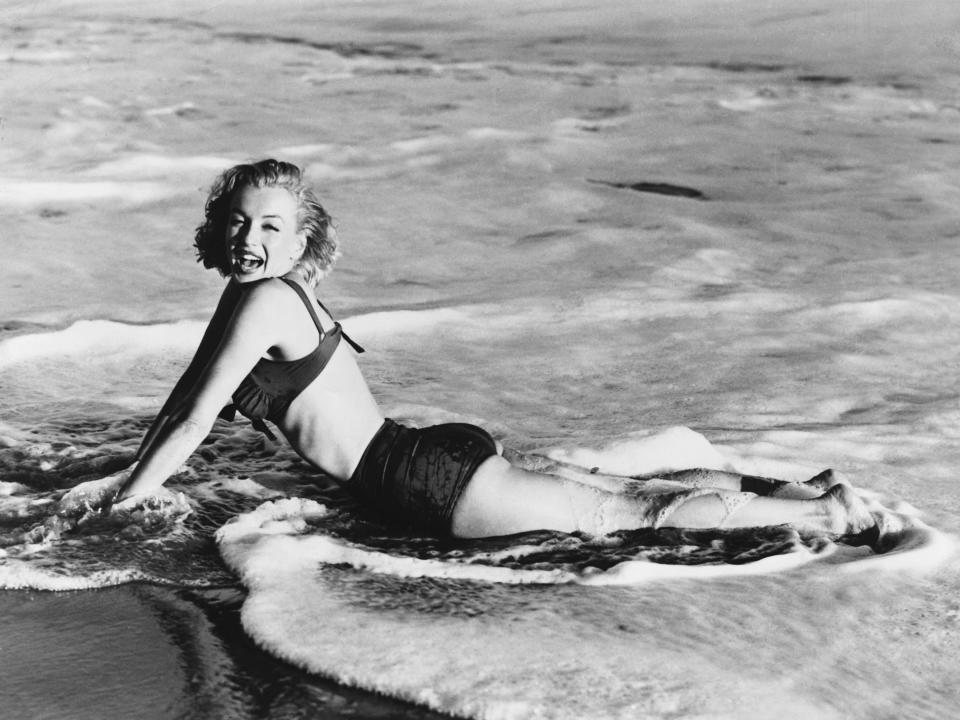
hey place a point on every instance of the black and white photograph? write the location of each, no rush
(500, 360)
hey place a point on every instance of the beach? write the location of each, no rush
(576, 225)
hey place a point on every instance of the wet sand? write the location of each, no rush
(157, 653)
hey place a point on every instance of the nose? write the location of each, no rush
(243, 235)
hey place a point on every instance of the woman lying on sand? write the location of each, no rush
(276, 354)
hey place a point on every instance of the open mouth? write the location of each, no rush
(245, 262)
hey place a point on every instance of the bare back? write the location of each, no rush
(332, 420)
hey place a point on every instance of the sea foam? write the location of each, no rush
(428, 624)
(103, 338)
(106, 337)
(28, 193)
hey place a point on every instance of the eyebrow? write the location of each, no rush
(236, 211)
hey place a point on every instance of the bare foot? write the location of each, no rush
(848, 513)
(823, 481)
(806, 490)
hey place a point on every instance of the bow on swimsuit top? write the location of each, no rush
(266, 393)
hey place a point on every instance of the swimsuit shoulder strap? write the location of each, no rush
(355, 345)
(306, 301)
(316, 319)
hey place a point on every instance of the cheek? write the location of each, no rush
(275, 251)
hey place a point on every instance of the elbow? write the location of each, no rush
(197, 427)
(196, 417)
(186, 432)
(193, 425)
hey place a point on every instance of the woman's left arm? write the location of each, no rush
(252, 329)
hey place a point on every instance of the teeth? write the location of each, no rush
(247, 261)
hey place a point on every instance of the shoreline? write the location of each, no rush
(159, 653)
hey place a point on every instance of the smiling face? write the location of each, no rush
(262, 235)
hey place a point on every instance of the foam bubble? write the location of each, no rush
(19, 574)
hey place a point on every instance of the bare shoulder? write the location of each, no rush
(259, 308)
(270, 297)
(265, 291)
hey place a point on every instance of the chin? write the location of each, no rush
(241, 278)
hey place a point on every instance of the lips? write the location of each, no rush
(247, 262)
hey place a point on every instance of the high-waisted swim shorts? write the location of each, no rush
(415, 476)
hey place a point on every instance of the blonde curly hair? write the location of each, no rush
(322, 248)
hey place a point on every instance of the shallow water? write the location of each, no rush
(480, 164)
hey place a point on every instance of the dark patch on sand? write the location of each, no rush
(399, 70)
(790, 17)
(386, 50)
(566, 39)
(904, 86)
(430, 109)
(839, 168)
(191, 112)
(747, 67)
(405, 282)
(546, 235)
(605, 112)
(555, 73)
(712, 291)
(179, 23)
(20, 326)
(656, 188)
(556, 41)
(824, 79)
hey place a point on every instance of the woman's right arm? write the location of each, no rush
(259, 322)
(208, 344)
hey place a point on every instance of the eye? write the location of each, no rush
(273, 228)
(235, 221)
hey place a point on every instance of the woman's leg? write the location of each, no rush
(501, 499)
(837, 511)
(767, 487)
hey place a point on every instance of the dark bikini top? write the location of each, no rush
(266, 393)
